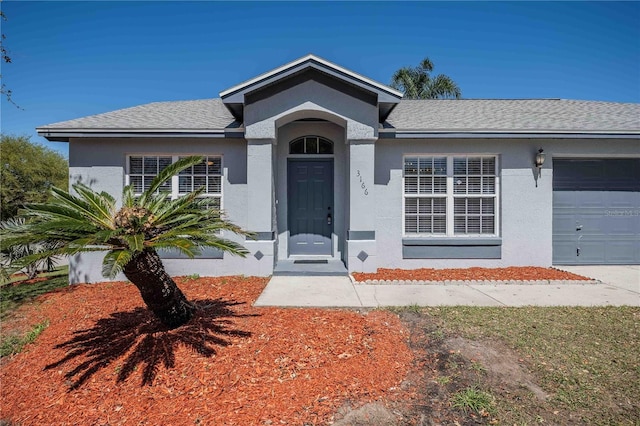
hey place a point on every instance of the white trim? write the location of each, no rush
(595, 156)
(149, 130)
(302, 60)
(508, 134)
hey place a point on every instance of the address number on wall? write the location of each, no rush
(363, 185)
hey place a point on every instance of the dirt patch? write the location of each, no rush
(370, 414)
(528, 273)
(502, 365)
(445, 365)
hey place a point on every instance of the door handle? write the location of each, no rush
(329, 219)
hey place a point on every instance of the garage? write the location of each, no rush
(596, 211)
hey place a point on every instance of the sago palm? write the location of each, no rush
(417, 83)
(130, 236)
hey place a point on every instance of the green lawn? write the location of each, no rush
(13, 294)
(586, 359)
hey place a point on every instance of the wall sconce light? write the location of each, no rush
(538, 163)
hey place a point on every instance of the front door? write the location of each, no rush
(310, 198)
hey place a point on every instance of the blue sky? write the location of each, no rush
(72, 59)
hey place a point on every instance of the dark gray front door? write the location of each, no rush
(596, 211)
(310, 198)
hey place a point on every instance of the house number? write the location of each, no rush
(362, 184)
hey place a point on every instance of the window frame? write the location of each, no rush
(318, 141)
(175, 193)
(450, 197)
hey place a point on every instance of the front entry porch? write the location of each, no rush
(306, 266)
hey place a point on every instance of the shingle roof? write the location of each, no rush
(205, 114)
(534, 115)
(473, 115)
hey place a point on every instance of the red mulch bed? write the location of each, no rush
(105, 360)
(523, 273)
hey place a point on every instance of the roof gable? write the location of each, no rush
(306, 67)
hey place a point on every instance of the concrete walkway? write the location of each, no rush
(620, 285)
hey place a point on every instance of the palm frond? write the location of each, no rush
(52, 210)
(82, 206)
(226, 245)
(443, 87)
(114, 262)
(426, 65)
(102, 206)
(157, 201)
(175, 208)
(417, 83)
(108, 198)
(128, 196)
(166, 174)
(134, 242)
(407, 82)
(182, 245)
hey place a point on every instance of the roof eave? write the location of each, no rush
(64, 134)
(495, 134)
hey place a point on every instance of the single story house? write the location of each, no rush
(325, 163)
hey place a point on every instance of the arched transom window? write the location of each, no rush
(311, 145)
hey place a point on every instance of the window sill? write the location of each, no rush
(449, 241)
(452, 248)
(207, 253)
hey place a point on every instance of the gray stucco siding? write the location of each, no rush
(524, 225)
(311, 99)
(100, 162)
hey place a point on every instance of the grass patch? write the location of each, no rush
(14, 344)
(59, 271)
(15, 294)
(585, 358)
(413, 308)
(474, 400)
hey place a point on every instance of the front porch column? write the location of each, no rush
(361, 239)
(260, 206)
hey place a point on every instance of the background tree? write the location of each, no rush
(9, 255)
(417, 83)
(7, 60)
(130, 235)
(27, 172)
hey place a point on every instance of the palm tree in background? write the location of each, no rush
(418, 83)
(131, 235)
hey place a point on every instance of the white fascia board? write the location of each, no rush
(417, 134)
(319, 60)
(43, 131)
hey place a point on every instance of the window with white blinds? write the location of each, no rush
(142, 169)
(425, 190)
(474, 195)
(450, 195)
